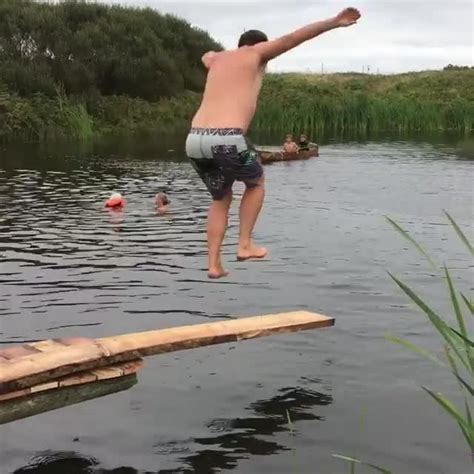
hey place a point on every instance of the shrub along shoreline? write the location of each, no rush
(417, 102)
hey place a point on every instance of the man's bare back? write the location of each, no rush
(232, 89)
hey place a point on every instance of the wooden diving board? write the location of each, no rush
(68, 390)
(31, 373)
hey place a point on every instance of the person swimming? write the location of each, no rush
(161, 202)
(115, 201)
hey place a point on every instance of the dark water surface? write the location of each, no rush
(69, 267)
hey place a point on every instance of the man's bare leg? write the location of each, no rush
(250, 207)
(216, 227)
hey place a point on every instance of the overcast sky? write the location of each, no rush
(392, 36)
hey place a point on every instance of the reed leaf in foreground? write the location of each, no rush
(458, 346)
(412, 241)
(458, 343)
(354, 461)
(469, 304)
(461, 234)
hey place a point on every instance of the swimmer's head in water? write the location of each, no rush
(252, 37)
(162, 199)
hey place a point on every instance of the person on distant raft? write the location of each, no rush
(303, 144)
(216, 144)
(289, 146)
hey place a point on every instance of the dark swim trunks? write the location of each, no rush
(222, 156)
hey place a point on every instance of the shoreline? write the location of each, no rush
(356, 104)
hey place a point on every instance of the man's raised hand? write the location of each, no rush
(347, 17)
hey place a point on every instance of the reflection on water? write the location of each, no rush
(241, 437)
(70, 267)
(229, 441)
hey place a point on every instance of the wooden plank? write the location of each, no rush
(81, 378)
(18, 351)
(187, 337)
(26, 371)
(53, 399)
(16, 394)
(34, 369)
(131, 367)
(43, 387)
(107, 373)
(47, 346)
(77, 379)
(73, 341)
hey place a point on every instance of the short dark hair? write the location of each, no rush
(251, 37)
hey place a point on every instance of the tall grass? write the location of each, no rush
(364, 104)
(362, 113)
(74, 118)
(336, 103)
(455, 334)
(457, 338)
(41, 118)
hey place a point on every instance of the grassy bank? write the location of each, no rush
(42, 118)
(352, 103)
(425, 101)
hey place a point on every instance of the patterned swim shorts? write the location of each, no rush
(222, 156)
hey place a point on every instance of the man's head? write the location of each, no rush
(289, 138)
(252, 37)
(302, 137)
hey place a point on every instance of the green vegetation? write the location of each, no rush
(455, 333)
(458, 341)
(43, 118)
(80, 69)
(426, 101)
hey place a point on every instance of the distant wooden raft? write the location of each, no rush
(32, 371)
(268, 156)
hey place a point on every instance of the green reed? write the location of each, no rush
(41, 118)
(455, 333)
(361, 114)
(433, 101)
(77, 121)
(334, 103)
(456, 337)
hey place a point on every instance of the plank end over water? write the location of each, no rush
(45, 361)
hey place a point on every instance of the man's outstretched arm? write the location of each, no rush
(271, 49)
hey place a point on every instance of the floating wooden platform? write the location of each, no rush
(50, 374)
(68, 390)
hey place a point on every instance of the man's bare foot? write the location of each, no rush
(251, 252)
(217, 272)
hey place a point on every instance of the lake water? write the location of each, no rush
(69, 267)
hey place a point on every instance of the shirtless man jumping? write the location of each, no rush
(216, 143)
